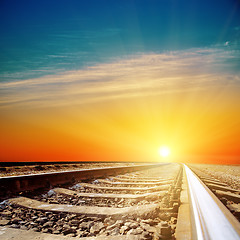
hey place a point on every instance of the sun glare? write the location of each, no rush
(164, 151)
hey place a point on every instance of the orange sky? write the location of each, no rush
(132, 129)
(128, 118)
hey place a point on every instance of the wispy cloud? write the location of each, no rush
(145, 74)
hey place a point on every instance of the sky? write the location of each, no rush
(115, 80)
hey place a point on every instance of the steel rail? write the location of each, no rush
(14, 184)
(210, 218)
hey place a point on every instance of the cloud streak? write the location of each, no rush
(141, 75)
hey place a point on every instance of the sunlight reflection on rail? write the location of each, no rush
(210, 221)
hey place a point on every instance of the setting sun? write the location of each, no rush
(164, 151)
(131, 85)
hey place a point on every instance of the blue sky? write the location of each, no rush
(48, 37)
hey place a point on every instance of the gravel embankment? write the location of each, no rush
(229, 174)
(36, 169)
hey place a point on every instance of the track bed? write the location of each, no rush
(132, 202)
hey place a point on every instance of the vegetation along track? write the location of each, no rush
(137, 202)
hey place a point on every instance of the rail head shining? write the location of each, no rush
(211, 220)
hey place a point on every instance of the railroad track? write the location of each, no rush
(139, 202)
(229, 196)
